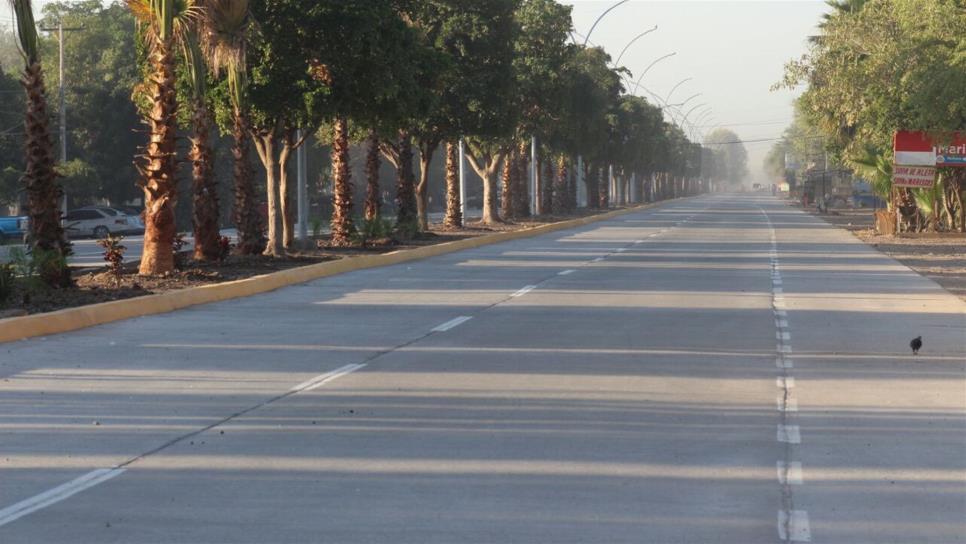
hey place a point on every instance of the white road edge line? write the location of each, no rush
(524, 291)
(57, 494)
(452, 323)
(323, 379)
(796, 522)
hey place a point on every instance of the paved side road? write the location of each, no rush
(719, 369)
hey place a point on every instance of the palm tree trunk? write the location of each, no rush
(406, 216)
(558, 203)
(546, 186)
(159, 167)
(373, 198)
(508, 195)
(342, 186)
(251, 237)
(204, 188)
(454, 213)
(40, 180)
(521, 197)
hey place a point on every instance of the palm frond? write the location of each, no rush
(194, 61)
(227, 24)
(26, 30)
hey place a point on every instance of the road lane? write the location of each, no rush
(630, 400)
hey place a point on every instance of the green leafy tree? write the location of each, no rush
(734, 154)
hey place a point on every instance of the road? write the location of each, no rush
(717, 369)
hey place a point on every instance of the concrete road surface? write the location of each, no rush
(718, 369)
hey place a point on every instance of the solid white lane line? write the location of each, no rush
(783, 336)
(57, 494)
(598, 259)
(783, 363)
(793, 526)
(776, 281)
(781, 313)
(787, 405)
(790, 474)
(621, 250)
(323, 379)
(778, 290)
(784, 349)
(566, 272)
(789, 434)
(524, 291)
(452, 323)
(781, 324)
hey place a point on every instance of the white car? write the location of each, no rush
(99, 221)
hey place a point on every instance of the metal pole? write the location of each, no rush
(302, 191)
(63, 112)
(534, 204)
(610, 184)
(463, 179)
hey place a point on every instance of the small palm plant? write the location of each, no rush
(46, 234)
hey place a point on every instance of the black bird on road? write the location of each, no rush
(915, 345)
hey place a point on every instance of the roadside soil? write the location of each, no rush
(940, 257)
(96, 285)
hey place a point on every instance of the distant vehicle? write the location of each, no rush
(100, 221)
(12, 229)
(858, 200)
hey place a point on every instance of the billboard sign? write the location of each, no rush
(913, 176)
(915, 148)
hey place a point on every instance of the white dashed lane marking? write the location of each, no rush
(57, 494)
(452, 323)
(524, 291)
(789, 434)
(793, 526)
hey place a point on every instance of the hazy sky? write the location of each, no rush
(733, 50)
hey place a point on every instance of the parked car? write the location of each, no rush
(12, 229)
(99, 221)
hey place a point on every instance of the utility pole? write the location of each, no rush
(63, 107)
(302, 192)
(534, 172)
(463, 180)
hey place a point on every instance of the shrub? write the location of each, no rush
(7, 278)
(114, 255)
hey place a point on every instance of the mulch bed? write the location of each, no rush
(96, 285)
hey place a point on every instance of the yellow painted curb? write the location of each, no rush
(70, 319)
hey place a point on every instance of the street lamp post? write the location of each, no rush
(639, 36)
(608, 10)
(682, 82)
(657, 60)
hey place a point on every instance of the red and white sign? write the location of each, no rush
(915, 148)
(913, 176)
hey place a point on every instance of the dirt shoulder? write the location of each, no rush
(940, 257)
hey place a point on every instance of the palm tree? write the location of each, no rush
(204, 184)
(47, 240)
(163, 23)
(227, 26)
